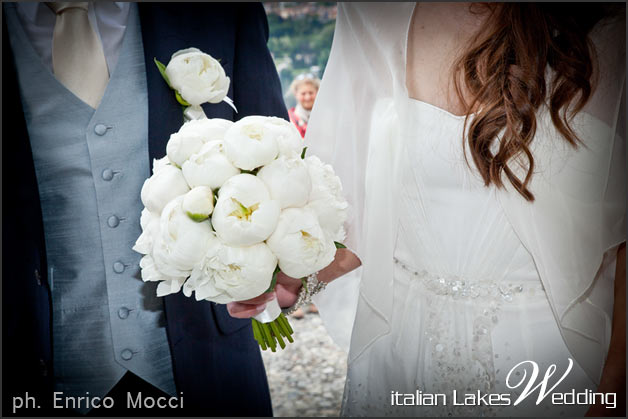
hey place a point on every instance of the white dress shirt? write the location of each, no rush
(109, 20)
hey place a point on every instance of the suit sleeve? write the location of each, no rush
(256, 85)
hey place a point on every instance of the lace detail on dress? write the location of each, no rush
(453, 360)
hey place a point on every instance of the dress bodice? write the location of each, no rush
(450, 223)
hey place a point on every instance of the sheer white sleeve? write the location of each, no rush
(352, 120)
(577, 220)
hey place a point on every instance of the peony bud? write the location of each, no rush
(197, 76)
(198, 204)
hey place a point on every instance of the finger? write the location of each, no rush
(244, 311)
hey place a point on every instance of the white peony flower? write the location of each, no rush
(288, 138)
(207, 129)
(185, 142)
(229, 273)
(167, 285)
(244, 214)
(159, 164)
(150, 230)
(171, 286)
(181, 243)
(288, 181)
(162, 187)
(300, 244)
(209, 167)
(326, 198)
(249, 143)
(197, 76)
(213, 129)
(198, 204)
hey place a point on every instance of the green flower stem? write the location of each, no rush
(277, 334)
(268, 335)
(286, 322)
(270, 341)
(282, 327)
(257, 334)
(286, 327)
(283, 330)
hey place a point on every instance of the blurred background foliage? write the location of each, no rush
(300, 38)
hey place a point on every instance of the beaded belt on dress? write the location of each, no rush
(459, 288)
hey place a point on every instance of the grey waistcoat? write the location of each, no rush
(90, 167)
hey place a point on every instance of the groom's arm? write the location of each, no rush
(256, 85)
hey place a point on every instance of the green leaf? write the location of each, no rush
(197, 217)
(180, 99)
(162, 71)
(273, 282)
(340, 245)
(303, 152)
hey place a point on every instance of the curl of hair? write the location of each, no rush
(504, 70)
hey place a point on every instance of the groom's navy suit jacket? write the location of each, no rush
(216, 362)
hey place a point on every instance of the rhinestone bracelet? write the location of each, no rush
(311, 286)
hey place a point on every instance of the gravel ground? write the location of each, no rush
(307, 378)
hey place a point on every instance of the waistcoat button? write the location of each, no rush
(100, 129)
(113, 221)
(118, 267)
(123, 312)
(107, 174)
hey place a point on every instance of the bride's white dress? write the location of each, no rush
(461, 282)
(468, 302)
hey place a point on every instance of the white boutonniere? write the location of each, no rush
(196, 78)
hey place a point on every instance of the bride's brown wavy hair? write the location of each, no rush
(504, 72)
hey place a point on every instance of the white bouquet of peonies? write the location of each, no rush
(232, 204)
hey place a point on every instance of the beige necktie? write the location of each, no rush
(78, 60)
